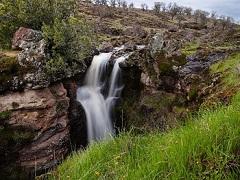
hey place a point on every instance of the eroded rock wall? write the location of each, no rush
(44, 113)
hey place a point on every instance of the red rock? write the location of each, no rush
(45, 113)
(25, 34)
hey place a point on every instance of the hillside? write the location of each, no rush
(162, 83)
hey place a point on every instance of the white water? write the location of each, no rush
(98, 107)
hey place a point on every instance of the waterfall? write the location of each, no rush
(98, 106)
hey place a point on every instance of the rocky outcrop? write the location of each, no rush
(105, 47)
(24, 36)
(157, 61)
(171, 82)
(33, 67)
(44, 113)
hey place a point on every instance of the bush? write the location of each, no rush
(55, 66)
(70, 42)
(32, 14)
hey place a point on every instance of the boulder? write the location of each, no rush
(32, 58)
(24, 36)
(157, 44)
(33, 54)
(163, 43)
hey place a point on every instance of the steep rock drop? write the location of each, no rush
(99, 94)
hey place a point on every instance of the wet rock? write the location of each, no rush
(77, 118)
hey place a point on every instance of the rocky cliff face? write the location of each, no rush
(36, 113)
(44, 114)
(169, 83)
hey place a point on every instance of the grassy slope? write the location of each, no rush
(207, 147)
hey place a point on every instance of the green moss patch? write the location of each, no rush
(158, 100)
(190, 48)
(8, 64)
(15, 136)
(5, 115)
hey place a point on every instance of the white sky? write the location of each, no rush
(222, 7)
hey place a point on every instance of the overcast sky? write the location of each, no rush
(222, 7)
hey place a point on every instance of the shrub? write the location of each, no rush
(31, 14)
(55, 66)
(70, 41)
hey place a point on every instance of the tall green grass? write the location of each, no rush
(206, 148)
(230, 69)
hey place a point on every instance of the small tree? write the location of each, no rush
(203, 17)
(97, 2)
(113, 3)
(157, 7)
(124, 5)
(32, 14)
(174, 10)
(169, 6)
(70, 42)
(104, 2)
(131, 6)
(144, 7)
(226, 22)
(164, 8)
(214, 15)
(187, 11)
(119, 3)
(197, 15)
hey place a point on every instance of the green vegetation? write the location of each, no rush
(5, 115)
(8, 64)
(31, 14)
(206, 148)
(159, 100)
(70, 42)
(8, 68)
(69, 37)
(230, 70)
(14, 136)
(190, 48)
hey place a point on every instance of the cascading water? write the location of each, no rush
(97, 106)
